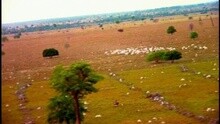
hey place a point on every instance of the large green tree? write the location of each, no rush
(50, 52)
(61, 110)
(171, 30)
(77, 81)
(172, 55)
(156, 56)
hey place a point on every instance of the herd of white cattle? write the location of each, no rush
(136, 51)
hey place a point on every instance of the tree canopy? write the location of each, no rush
(171, 30)
(50, 52)
(164, 55)
(156, 56)
(77, 81)
(172, 55)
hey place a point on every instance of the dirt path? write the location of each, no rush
(23, 100)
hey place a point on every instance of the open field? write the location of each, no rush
(192, 91)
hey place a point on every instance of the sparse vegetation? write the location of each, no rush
(50, 52)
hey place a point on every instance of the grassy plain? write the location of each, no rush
(23, 63)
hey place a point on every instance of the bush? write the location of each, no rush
(66, 45)
(164, 55)
(156, 56)
(100, 25)
(171, 30)
(120, 30)
(18, 35)
(3, 53)
(155, 20)
(193, 35)
(117, 22)
(50, 52)
(190, 17)
(4, 38)
(172, 55)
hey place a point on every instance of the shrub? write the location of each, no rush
(117, 22)
(50, 52)
(4, 38)
(171, 30)
(3, 53)
(172, 55)
(156, 56)
(66, 45)
(54, 25)
(190, 17)
(155, 20)
(100, 25)
(120, 30)
(18, 35)
(193, 35)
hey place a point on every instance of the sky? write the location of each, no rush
(28, 10)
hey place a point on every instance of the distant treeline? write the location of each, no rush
(84, 21)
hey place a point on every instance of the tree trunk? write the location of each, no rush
(212, 21)
(76, 105)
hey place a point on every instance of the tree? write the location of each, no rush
(120, 30)
(193, 35)
(117, 22)
(3, 53)
(77, 81)
(172, 55)
(171, 30)
(54, 25)
(190, 17)
(156, 56)
(18, 35)
(211, 20)
(4, 38)
(61, 110)
(50, 52)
